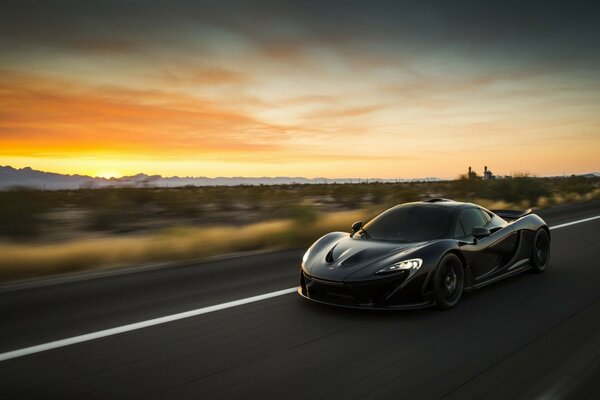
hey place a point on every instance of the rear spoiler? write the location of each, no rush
(511, 214)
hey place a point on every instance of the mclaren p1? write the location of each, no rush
(422, 254)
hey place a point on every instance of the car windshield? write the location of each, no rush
(410, 223)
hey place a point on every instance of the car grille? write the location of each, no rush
(368, 293)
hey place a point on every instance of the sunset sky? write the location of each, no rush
(300, 88)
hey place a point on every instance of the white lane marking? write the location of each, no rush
(579, 221)
(139, 325)
(174, 317)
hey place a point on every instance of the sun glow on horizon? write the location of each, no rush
(107, 174)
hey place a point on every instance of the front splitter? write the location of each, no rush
(370, 306)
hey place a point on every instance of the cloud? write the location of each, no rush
(104, 46)
(344, 112)
(512, 28)
(310, 99)
(40, 114)
(199, 75)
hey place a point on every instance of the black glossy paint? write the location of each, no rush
(341, 268)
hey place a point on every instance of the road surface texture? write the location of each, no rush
(531, 336)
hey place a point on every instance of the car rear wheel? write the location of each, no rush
(540, 257)
(449, 281)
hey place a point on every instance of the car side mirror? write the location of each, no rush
(480, 232)
(356, 226)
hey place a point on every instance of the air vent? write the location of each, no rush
(329, 256)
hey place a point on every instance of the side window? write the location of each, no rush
(470, 218)
(497, 222)
(487, 217)
(459, 231)
(492, 222)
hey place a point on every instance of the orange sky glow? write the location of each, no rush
(222, 102)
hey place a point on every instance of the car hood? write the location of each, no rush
(347, 255)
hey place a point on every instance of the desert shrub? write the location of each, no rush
(574, 184)
(21, 213)
(302, 214)
(516, 190)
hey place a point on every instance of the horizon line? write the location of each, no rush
(159, 176)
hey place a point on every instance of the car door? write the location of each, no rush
(487, 256)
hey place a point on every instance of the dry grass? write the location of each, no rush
(28, 260)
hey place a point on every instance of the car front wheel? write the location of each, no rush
(449, 281)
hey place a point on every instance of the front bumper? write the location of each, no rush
(385, 294)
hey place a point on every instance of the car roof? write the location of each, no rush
(444, 203)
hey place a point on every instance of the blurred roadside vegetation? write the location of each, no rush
(43, 232)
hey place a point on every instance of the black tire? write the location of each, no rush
(448, 281)
(540, 253)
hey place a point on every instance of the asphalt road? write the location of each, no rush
(531, 336)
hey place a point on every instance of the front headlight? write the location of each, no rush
(411, 265)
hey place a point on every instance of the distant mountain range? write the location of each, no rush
(29, 178)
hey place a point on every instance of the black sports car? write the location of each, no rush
(424, 253)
